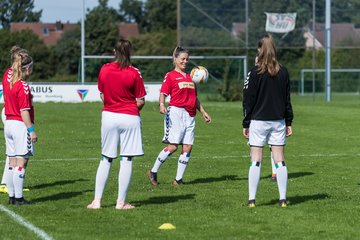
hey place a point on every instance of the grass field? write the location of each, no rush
(323, 191)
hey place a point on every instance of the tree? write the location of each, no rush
(43, 67)
(132, 11)
(17, 11)
(101, 29)
(101, 34)
(160, 15)
(67, 52)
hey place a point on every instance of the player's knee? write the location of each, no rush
(105, 158)
(172, 148)
(126, 158)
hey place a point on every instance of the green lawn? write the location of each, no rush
(323, 191)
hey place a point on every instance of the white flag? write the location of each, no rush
(280, 22)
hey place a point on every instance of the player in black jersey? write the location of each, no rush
(267, 115)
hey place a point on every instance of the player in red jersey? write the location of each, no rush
(122, 91)
(179, 121)
(19, 128)
(15, 50)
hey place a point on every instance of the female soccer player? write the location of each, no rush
(267, 116)
(179, 121)
(15, 50)
(19, 128)
(122, 91)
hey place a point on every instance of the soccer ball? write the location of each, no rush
(199, 74)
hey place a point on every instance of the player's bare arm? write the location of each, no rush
(288, 131)
(140, 102)
(162, 107)
(246, 133)
(201, 109)
(25, 115)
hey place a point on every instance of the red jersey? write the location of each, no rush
(121, 88)
(16, 99)
(6, 82)
(182, 91)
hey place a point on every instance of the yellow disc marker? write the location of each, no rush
(167, 226)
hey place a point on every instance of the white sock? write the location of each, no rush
(182, 164)
(254, 178)
(9, 181)
(161, 158)
(3, 180)
(18, 180)
(273, 168)
(282, 178)
(124, 177)
(102, 175)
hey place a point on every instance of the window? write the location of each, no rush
(45, 31)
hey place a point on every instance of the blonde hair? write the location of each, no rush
(267, 56)
(15, 50)
(177, 51)
(21, 64)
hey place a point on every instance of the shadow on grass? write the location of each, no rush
(301, 199)
(164, 199)
(57, 183)
(293, 175)
(59, 196)
(215, 179)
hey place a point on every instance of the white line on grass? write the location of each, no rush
(40, 233)
(314, 155)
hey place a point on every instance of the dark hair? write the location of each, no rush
(177, 51)
(123, 50)
(267, 56)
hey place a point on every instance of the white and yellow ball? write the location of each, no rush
(199, 74)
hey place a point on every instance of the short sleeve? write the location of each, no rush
(24, 96)
(165, 86)
(140, 91)
(100, 81)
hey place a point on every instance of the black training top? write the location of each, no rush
(267, 98)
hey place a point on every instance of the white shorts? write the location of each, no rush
(3, 117)
(178, 126)
(121, 130)
(18, 141)
(267, 132)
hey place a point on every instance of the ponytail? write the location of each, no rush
(22, 62)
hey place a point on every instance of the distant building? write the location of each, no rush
(340, 32)
(50, 33)
(127, 30)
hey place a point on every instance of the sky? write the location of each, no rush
(66, 10)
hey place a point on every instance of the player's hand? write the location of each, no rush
(288, 131)
(33, 137)
(206, 117)
(246, 133)
(162, 109)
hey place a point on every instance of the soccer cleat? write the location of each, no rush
(21, 201)
(283, 203)
(153, 178)
(178, 182)
(95, 204)
(121, 205)
(273, 177)
(3, 188)
(11, 200)
(251, 203)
